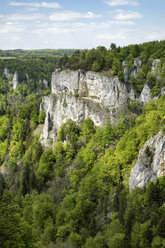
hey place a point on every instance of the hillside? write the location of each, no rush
(82, 149)
(20, 53)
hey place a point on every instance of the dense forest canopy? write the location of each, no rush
(102, 59)
(76, 193)
(27, 53)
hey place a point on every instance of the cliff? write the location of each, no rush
(76, 95)
(151, 162)
(14, 78)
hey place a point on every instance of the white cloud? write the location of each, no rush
(23, 17)
(125, 36)
(78, 34)
(36, 4)
(15, 38)
(122, 15)
(9, 28)
(31, 9)
(69, 15)
(121, 2)
(122, 22)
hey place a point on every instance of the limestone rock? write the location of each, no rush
(126, 71)
(15, 81)
(126, 74)
(151, 162)
(162, 91)
(83, 89)
(76, 95)
(27, 77)
(145, 95)
(45, 82)
(7, 73)
(107, 91)
(138, 67)
(138, 63)
(124, 64)
(154, 64)
(60, 108)
(64, 81)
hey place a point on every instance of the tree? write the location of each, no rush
(14, 231)
(41, 117)
(87, 129)
(95, 66)
(113, 46)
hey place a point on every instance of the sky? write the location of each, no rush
(79, 24)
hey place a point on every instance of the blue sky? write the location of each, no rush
(35, 24)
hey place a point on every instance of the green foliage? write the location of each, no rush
(41, 117)
(69, 131)
(101, 59)
(3, 150)
(95, 66)
(135, 107)
(121, 75)
(45, 168)
(87, 129)
(14, 230)
(151, 79)
(47, 92)
(75, 194)
(4, 127)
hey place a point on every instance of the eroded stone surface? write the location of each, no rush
(151, 162)
(76, 95)
(15, 81)
(145, 95)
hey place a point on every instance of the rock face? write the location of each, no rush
(15, 77)
(127, 72)
(45, 82)
(154, 65)
(151, 162)
(7, 73)
(15, 80)
(145, 95)
(138, 67)
(107, 91)
(76, 95)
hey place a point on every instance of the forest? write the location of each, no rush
(17, 53)
(76, 193)
(110, 60)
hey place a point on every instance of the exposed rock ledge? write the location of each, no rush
(76, 95)
(151, 162)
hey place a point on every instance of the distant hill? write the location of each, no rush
(21, 52)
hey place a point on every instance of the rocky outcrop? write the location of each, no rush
(145, 95)
(45, 82)
(7, 73)
(151, 162)
(107, 91)
(137, 66)
(76, 95)
(14, 78)
(154, 65)
(15, 81)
